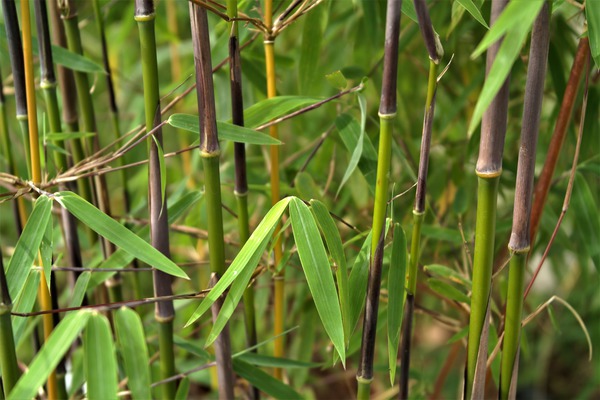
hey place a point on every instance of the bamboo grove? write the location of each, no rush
(371, 199)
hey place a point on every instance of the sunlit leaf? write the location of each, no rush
(318, 273)
(275, 107)
(473, 10)
(116, 233)
(447, 290)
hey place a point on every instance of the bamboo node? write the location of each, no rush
(520, 250)
(46, 84)
(361, 379)
(210, 154)
(240, 194)
(145, 17)
(387, 115)
(488, 174)
(163, 320)
(418, 213)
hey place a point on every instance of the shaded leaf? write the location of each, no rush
(337, 80)
(447, 290)
(132, 345)
(269, 109)
(357, 282)
(396, 295)
(474, 11)
(592, 15)
(313, 258)
(263, 381)
(99, 359)
(274, 362)
(448, 273)
(49, 355)
(80, 289)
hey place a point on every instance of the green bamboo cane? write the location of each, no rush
(387, 115)
(6, 151)
(99, 194)
(210, 153)
(436, 52)
(241, 182)
(520, 242)
(159, 225)
(488, 170)
(8, 356)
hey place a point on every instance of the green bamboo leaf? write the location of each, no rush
(49, 355)
(183, 389)
(133, 349)
(349, 132)
(193, 348)
(307, 188)
(71, 60)
(312, 35)
(357, 282)
(24, 304)
(62, 136)
(237, 291)
(337, 80)
(318, 273)
(396, 295)
(226, 130)
(163, 171)
(116, 233)
(80, 289)
(29, 242)
(515, 22)
(444, 234)
(474, 11)
(358, 149)
(121, 258)
(247, 258)
(100, 361)
(408, 9)
(448, 273)
(263, 381)
(275, 107)
(592, 15)
(447, 290)
(46, 252)
(336, 250)
(261, 360)
(459, 335)
(588, 218)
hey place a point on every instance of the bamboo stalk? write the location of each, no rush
(279, 278)
(157, 204)
(241, 181)
(210, 154)
(520, 240)
(36, 173)
(8, 356)
(434, 48)
(488, 170)
(387, 115)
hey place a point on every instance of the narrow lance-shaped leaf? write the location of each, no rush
(247, 257)
(27, 247)
(592, 15)
(275, 107)
(263, 381)
(49, 355)
(474, 11)
(117, 233)
(132, 345)
(396, 293)
(99, 359)
(318, 273)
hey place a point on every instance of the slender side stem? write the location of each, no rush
(520, 240)
(542, 187)
(241, 181)
(387, 115)
(8, 356)
(159, 225)
(36, 172)
(488, 170)
(210, 153)
(279, 279)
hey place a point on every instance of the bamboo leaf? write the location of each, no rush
(275, 107)
(133, 349)
(27, 247)
(396, 295)
(226, 130)
(592, 15)
(263, 381)
(49, 355)
(24, 303)
(357, 283)
(336, 250)
(99, 359)
(447, 290)
(183, 389)
(71, 60)
(61, 136)
(448, 273)
(358, 149)
(120, 258)
(80, 289)
(117, 233)
(46, 252)
(318, 273)
(163, 171)
(474, 11)
(349, 131)
(248, 257)
(515, 22)
(337, 80)
(408, 9)
(312, 35)
(275, 362)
